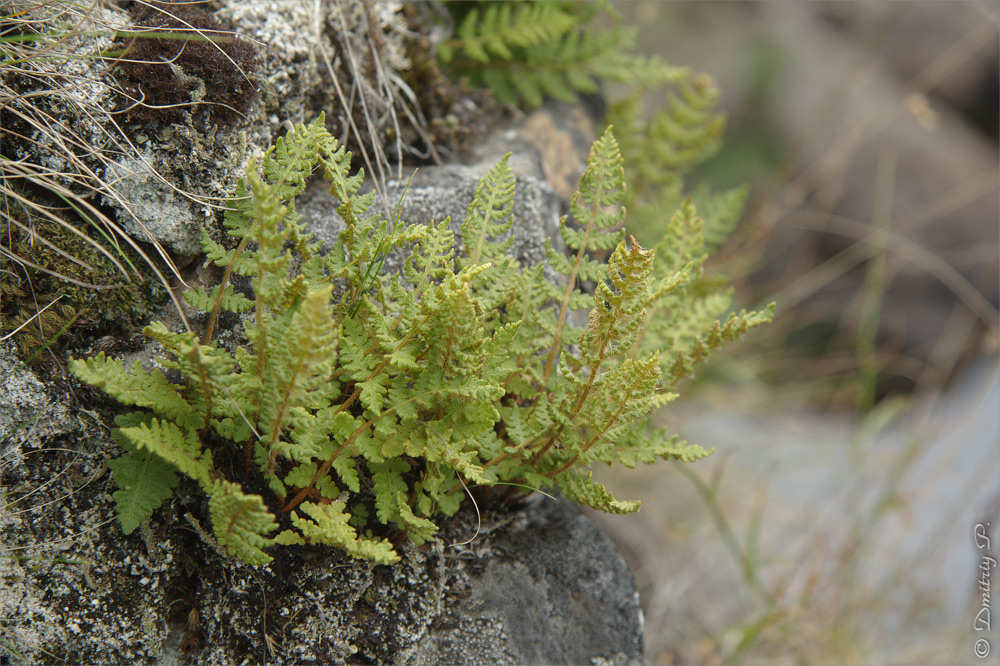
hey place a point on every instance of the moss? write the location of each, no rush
(96, 297)
(187, 74)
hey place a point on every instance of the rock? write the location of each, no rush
(164, 177)
(555, 591)
(27, 413)
(73, 589)
(539, 585)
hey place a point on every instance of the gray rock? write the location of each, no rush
(437, 193)
(27, 413)
(540, 585)
(74, 588)
(555, 591)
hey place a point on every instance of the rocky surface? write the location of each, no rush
(167, 176)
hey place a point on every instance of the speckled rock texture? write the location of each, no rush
(541, 584)
(555, 590)
(73, 588)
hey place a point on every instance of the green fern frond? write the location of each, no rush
(720, 212)
(240, 522)
(639, 446)
(528, 51)
(501, 26)
(302, 475)
(231, 301)
(564, 66)
(586, 491)
(619, 307)
(719, 334)
(490, 215)
(144, 480)
(602, 186)
(682, 242)
(137, 387)
(175, 445)
(330, 526)
(390, 500)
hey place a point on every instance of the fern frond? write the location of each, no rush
(208, 368)
(178, 446)
(231, 301)
(301, 476)
(501, 26)
(602, 186)
(569, 61)
(718, 335)
(682, 242)
(490, 215)
(240, 522)
(144, 480)
(619, 308)
(330, 526)
(586, 491)
(137, 387)
(720, 212)
(242, 264)
(271, 257)
(290, 162)
(299, 368)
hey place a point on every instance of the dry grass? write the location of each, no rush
(55, 59)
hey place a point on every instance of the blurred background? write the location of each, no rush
(857, 437)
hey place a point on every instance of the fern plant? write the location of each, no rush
(349, 419)
(525, 51)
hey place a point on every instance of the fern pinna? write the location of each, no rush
(365, 400)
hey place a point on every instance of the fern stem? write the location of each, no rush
(206, 389)
(325, 467)
(506, 454)
(650, 317)
(590, 443)
(548, 445)
(564, 308)
(206, 337)
(374, 373)
(591, 379)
